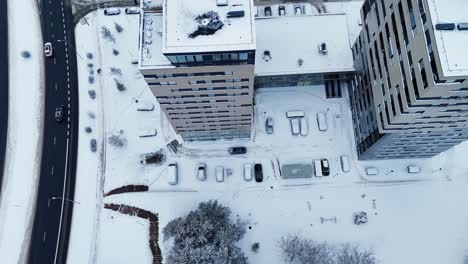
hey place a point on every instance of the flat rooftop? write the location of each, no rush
(451, 44)
(290, 38)
(151, 41)
(237, 33)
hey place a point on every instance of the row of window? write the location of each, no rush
(196, 74)
(228, 58)
(200, 95)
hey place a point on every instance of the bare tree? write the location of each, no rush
(118, 28)
(117, 139)
(299, 250)
(353, 254)
(107, 34)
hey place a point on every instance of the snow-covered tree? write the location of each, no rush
(353, 254)
(205, 235)
(107, 34)
(298, 250)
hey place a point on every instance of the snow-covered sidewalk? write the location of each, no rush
(25, 126)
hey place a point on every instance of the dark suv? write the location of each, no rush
(258, 169)
(237, 150)
(59, 113)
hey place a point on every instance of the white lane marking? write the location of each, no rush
(55, 140)
(52, 170)
(66, 61)
(68, 68)
(44, 237)
(68, 74)
(56, 88)
(63, 201)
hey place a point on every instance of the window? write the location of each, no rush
(181, 59)
(281, 10)
(243, 56)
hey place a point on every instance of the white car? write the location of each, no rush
(295, 126)
(304, 127)
(219, 174)
(112, 11)
(321, 121)
(48, 49)
(248, 172)
(201, 171)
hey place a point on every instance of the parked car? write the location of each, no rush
(48, 49)
(201, 171)
(258, 170)
(292, 114)
(372, 171)
(237, 150)
(413, 169)
(93, 145)
(344, 163)
(132, 10)
(269, 125)
(59, 113)
(172, 176)
(295, 126)
(248, 172)
(304, 127)
(325, 167)
(318, 168)
(321, 121)
(219, 174)
(111, 11)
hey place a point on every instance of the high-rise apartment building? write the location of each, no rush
(198, 60)
(410, 96)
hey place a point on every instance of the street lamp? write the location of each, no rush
(62, 198)
(68, 43)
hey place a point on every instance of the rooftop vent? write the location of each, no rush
(266, 55)
(462, 26)
(208, 24)
(323, 48)
(239, 13)
(445, 26)
(221, 2)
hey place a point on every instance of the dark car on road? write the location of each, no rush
(237, 150)
(59, 113)
(258, 169)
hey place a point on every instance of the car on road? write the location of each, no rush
(258, 171)
(237, 150)
(201, 171)
(59, 113)
(132, 10)
(48, 49)
(111, 11)
(295, 126)
(325, 167)
(269, 125)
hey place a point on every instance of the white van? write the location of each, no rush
(295, 126)
(344, 163)
(304, 127)
(318, 168)
(248, 172)
(172, 178)
(321, 121)
(219, 174)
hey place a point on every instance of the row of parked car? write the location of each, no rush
(255, 172)
(299, 124)
(116, 11)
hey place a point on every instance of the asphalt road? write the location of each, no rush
(49, 241)
(3, 85)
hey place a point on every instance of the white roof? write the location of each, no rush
(290, 38)
(151, 41)
(451, 44)
(179, 22)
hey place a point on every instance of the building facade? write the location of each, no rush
(409, 97)
(204, 83)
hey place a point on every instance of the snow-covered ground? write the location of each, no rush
(25, 123)
(412, 218)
